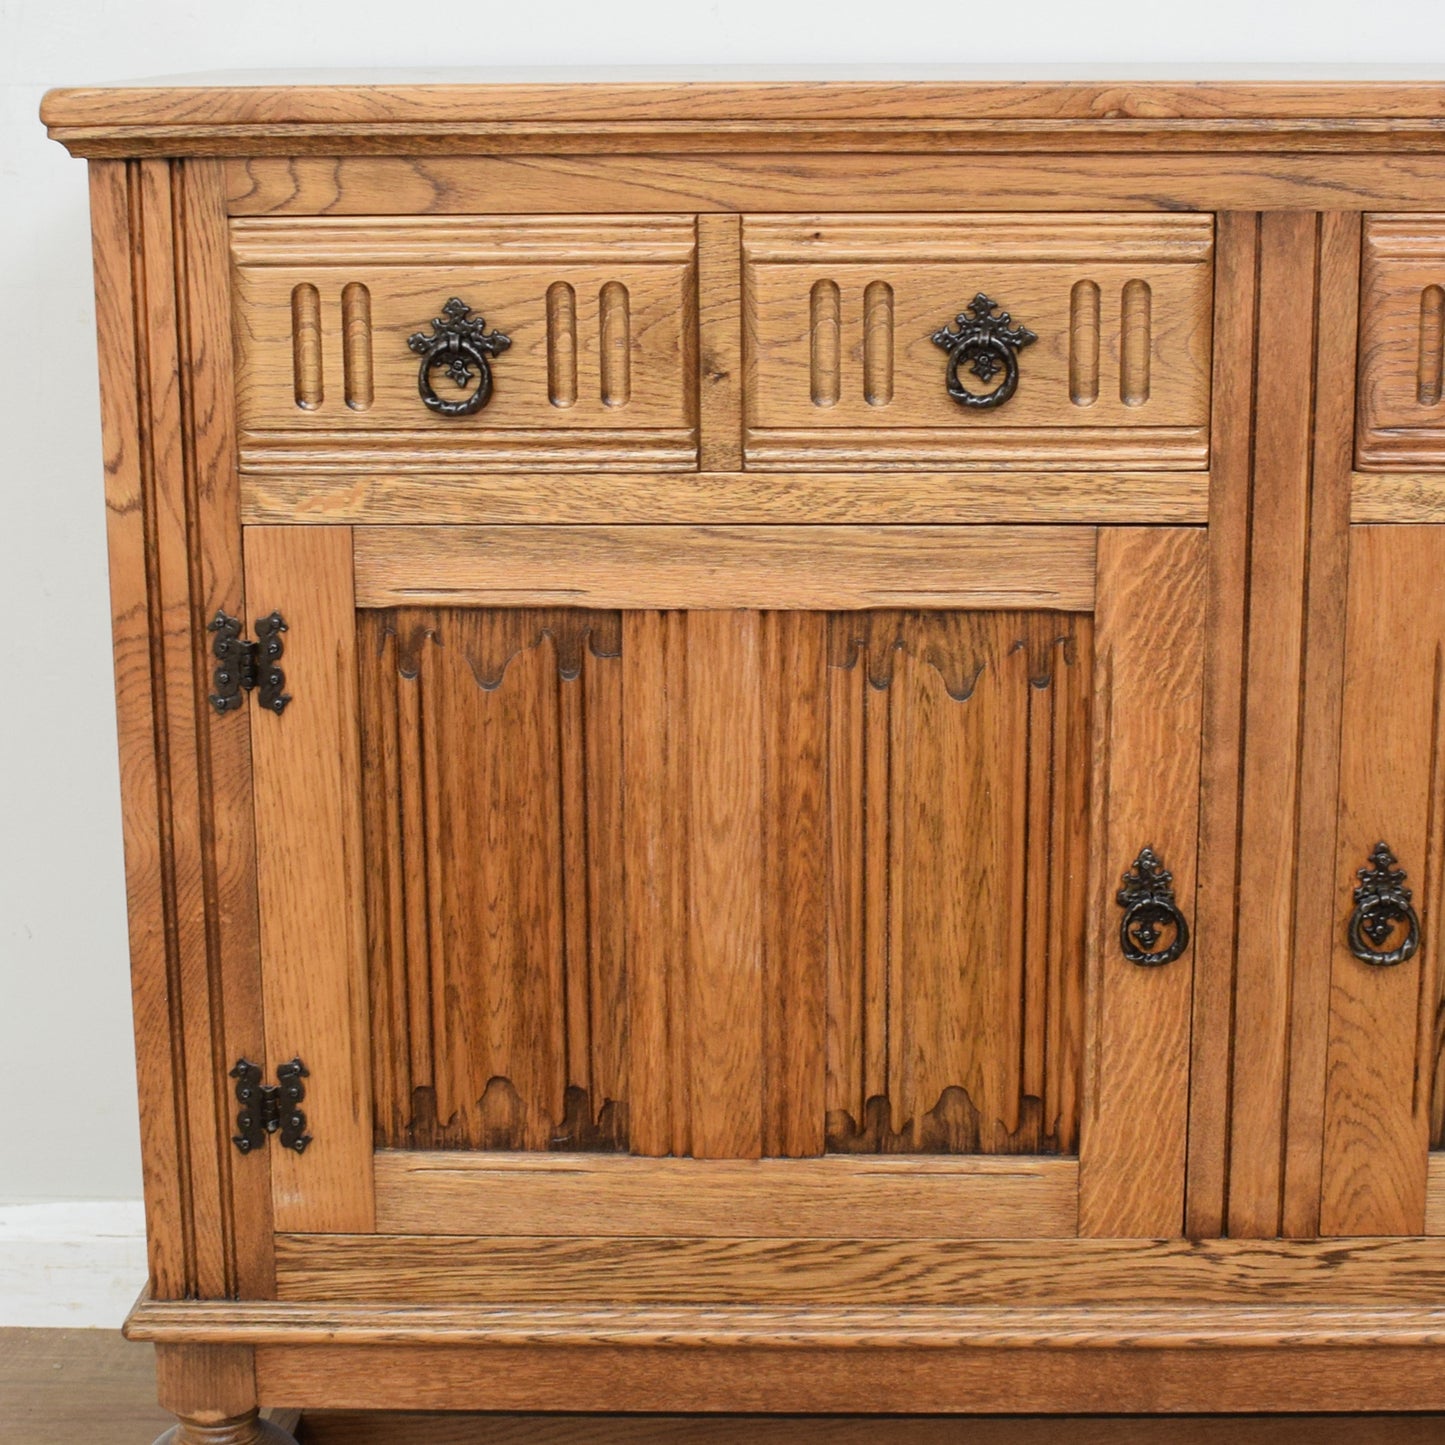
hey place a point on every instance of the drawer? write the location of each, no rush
(1402, 343)
(866, 345)
(345, 343)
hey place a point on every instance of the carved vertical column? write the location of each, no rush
(1287, 303)
(173, 516)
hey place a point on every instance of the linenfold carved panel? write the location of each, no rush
(726, 884)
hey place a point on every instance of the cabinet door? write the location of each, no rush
(699, 883)
(1385, 1099)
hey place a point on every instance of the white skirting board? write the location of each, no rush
(76, 1264)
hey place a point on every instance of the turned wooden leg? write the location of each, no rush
(248, 1430)
(211, 1389)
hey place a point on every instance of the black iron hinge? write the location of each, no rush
(270, 1108)
(243, 665)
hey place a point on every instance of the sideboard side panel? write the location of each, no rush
(174, 537)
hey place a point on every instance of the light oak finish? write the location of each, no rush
(690, 863)
(720, 341)
(1322, 683)
(1298, 469)
(174, 539)
(1384, 1041)
(1231, 428)
(1288, 284)
(1223, 100)
(841, 1272)
(75, 1385)
(1397, 497)
(859, 749)
(546, 1195)
(933, 267)
(309, 861)
(1378, 1376)
(1145, 793)
(808, 180)
(915, 497)
(1435, 1195)
(1402, 345)
(817, 568)
(291, 378)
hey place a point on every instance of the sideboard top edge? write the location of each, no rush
(582, 95)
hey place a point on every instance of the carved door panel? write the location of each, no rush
(730, 880)
(1385, 1087)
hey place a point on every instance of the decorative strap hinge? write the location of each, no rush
(243, 666)
(270, 1108)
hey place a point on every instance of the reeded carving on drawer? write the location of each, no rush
(842, 311)
(1402, 343)
(599, 372)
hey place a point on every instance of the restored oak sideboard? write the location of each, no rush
(781, 741)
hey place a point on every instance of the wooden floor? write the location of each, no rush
(88, 1387)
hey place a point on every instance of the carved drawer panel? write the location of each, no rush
(412, 345)
(1402, 343)
(872, 340)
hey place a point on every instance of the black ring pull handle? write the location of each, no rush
(1382, 908)
(462, 346)
(986, 344)
(1150, 914)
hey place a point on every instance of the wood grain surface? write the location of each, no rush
(841, 1272)
(504, 271)
(173, 523)
(933, 268)
(884, 1197)
(672, 182)
(1383, 1031)
(310, 873)
(1231, 435)
(1145, 794)
(641, 567)
(1378, 1375)
(1397, 496)
(671, 881)
(1401, 405)
(862, 498)
(71, 1387)
(1321, 707)
(726, 746)
(955, 92)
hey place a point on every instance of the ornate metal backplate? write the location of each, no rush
(986, 344)
(460, 344)
(1382, 908)
(1150, 914)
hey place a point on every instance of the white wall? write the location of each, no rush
(67, 1128)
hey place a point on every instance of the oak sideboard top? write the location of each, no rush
(737, 108)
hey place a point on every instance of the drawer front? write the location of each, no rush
(595, 365)
(1402, 343)
(1105, 318)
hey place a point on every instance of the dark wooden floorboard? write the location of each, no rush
(89, 1387)
(77, 1387)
